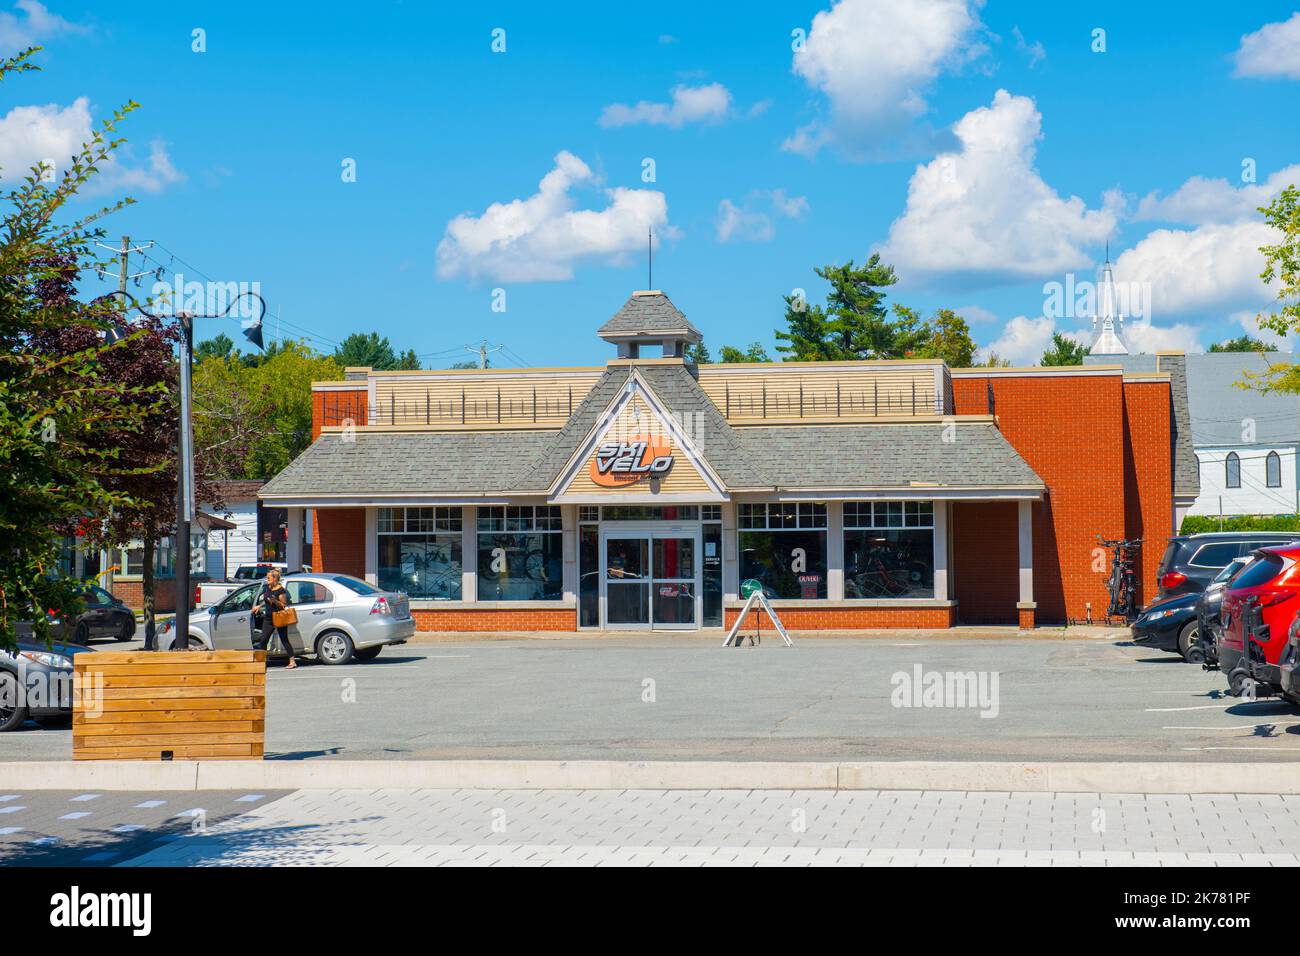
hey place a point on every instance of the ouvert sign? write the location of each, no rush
(618, 463)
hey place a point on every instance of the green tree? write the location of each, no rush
(1243, 343)
(947, 337)
(993, 360)
(56, 471)
(698, 354)
(220, 344)
(1064, 351)
(854, 323)
(371, 350)
(271, 399)
(1282, 265)
(408, 362)
(734, 356)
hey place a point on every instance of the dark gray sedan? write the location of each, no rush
(36, 683)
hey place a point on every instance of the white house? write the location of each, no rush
(227, 550)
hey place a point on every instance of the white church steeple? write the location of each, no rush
(1107, 323)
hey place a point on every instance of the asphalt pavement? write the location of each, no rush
(687, 698)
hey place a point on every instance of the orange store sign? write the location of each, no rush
(618, 463)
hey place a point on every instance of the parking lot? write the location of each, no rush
(823, 699)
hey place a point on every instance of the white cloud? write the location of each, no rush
(1272, 51)
(1190, 271)
(691, 104)
(875, 61)
(984, 213)
(542, 238)
(752, 219)
(1199, 200)
(36, 25)
(976, 313)
(1023, 340)
(53, 134)
(1035, 51)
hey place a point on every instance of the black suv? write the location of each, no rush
(1192, 561)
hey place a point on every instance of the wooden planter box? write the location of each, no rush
(169, 705)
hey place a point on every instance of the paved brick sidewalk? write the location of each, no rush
(729, 827)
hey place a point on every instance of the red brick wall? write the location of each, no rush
(339, 545)
(333, 408)
(1148, 478)
(847, 618)
(473, 619)
(1070, 430)
(164, 593)
(986, 561)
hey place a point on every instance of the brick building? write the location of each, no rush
(641, 494)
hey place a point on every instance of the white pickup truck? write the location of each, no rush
(210, 592)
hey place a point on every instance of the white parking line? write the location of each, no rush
(1235, 727)
(11, 809)
(149, 804)
(84, 797)
(75, 816)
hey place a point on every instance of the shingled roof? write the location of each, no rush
(376, 464)
(974, 456)
(651, 314)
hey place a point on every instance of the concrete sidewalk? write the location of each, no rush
(1042, 777)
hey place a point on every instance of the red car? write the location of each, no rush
(1263, 598)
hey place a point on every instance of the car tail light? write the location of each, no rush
(1272, 598)
(1171, 579)
(197, 591)
(381, 606)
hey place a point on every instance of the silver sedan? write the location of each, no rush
(340, 619)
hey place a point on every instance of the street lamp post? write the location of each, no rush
(185, 504)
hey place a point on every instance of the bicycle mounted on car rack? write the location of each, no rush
(1247, 679)
(1122, 585)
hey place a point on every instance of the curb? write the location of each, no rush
(187, 775)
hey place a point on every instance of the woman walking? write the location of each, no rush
(277, 615)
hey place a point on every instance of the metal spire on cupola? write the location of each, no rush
(1107, 322)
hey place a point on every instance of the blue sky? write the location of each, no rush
(986, 149)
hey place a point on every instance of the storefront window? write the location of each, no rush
(520, 553)
(888, 549)
(589, 575)
(420, 552)
(711, 586)
(783, 546)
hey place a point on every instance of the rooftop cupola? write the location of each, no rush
(649, 318)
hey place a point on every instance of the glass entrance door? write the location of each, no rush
(673, 588)
(650, 579)
(627, 581)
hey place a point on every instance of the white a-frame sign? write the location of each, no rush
(756, 598)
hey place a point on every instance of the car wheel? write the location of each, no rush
(1189, 644)
(127, 630)
(367, 653)
(12, 713)
(82, 634)
(195, 644)
(334, 647)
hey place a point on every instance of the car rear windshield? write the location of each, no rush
(1215, 555)
(356, 584)
(1263, 570)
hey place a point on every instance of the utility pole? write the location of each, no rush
(482, 350)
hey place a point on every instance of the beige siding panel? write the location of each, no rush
(831, 393)
(544, 400)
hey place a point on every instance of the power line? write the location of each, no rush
(304, 332)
